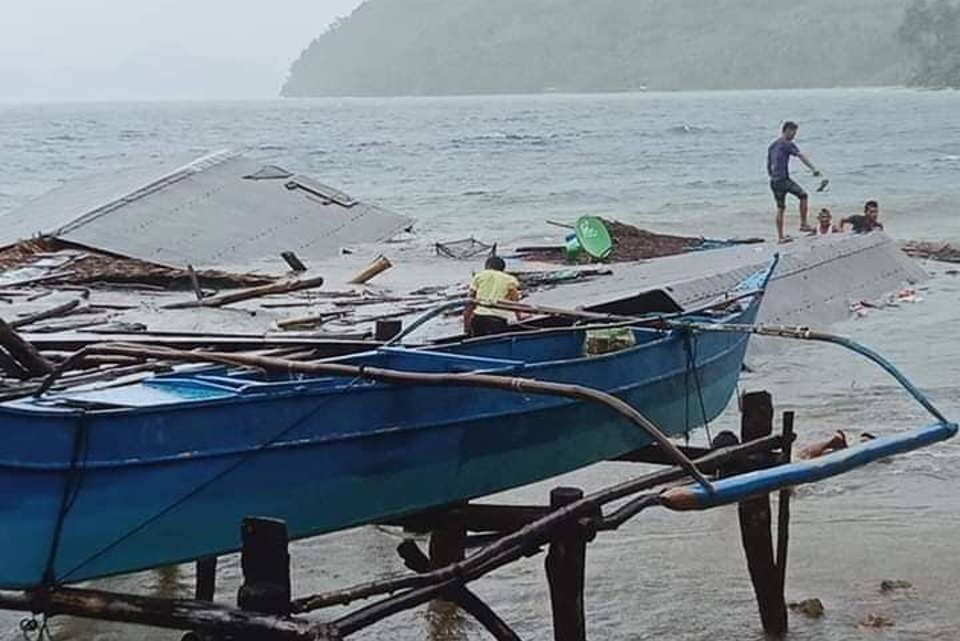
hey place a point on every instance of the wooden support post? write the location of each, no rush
(783, 504)
(448, 544)
(206, 578)
(755, 523)
(266, 567)
(206, 585)
(566, 565)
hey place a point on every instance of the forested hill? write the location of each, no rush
(404, 47)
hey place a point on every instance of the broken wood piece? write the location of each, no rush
(293, 261)
(23, 352)
(194, 282)
(59, 310)
(315, 319)
(41, 279)
(380, 264)
(12, 368)
(220, 300)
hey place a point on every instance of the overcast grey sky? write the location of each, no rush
(155, 49)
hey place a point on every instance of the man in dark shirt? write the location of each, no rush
(865, 222)
(778, 168)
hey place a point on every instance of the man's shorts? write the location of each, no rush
(784, 186)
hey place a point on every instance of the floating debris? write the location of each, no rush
(631, 243)
(889, 585)
(943, 252)
(876, 621)
(812, 608)
(464, 249)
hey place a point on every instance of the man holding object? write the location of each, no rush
(778, 168)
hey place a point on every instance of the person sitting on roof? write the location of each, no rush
(865, 222)
(825, 223)
(492, 284)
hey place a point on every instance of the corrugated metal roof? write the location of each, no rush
(219, 210)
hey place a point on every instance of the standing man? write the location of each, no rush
(778, 168)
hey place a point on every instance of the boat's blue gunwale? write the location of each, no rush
(306, 391)
(550, 404)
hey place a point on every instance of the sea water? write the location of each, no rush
(496, 168)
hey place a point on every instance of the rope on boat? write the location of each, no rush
(71, 490)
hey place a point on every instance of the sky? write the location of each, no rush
(65, 50)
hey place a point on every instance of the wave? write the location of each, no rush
(503, 138)
(370, 144)
(689, 129)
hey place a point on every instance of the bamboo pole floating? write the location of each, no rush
(281, 287)
(488, 381)
(380, 264)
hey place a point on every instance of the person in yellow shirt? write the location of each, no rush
(492, 284)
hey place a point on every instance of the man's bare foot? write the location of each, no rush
(785, 239)
(806, 228)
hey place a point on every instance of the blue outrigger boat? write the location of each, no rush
(162, 471)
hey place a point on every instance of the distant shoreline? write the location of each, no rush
(7, 102)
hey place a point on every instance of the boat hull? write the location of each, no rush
(159, 486)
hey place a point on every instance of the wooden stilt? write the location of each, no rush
(783, 504)
(266, 567)
(206, 578)
(755, 523)
(448, 544)
(566, 565)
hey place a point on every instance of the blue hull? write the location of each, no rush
(164, 471)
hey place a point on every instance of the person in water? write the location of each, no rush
(867, 221)
(825, 223)
(778, 168)
(492, 284)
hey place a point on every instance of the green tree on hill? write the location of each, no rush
(403, 47)
(932, 31)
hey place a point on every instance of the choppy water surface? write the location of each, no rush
(691, 162)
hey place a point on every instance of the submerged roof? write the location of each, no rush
(219, 210)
